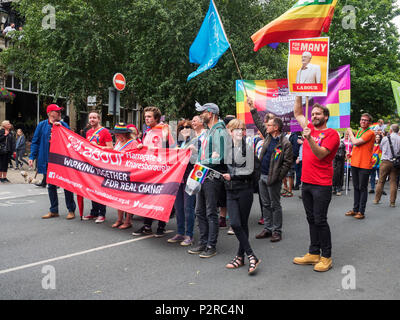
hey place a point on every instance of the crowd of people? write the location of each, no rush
(271, 163)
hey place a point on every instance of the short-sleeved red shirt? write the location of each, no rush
(315, 171)
(101, 137)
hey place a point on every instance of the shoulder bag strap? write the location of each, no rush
(391, 146)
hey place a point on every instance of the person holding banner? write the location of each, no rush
(185, 203)
(319, 149)
(239, 188)
(276, 160)
(125, 141)
(157, 135)
(361, 165)
(212, 155)
(100, 137)
(40, 150)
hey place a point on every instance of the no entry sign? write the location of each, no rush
(119, 81)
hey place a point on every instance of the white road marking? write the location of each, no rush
(30, 265)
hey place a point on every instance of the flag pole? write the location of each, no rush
(230, 47)
(307, 109)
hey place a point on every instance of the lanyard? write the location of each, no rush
(125, 145)
(358, 133)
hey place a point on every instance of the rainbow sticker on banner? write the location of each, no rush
(199, 173)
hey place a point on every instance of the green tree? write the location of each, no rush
(372, 50)
(147, 40)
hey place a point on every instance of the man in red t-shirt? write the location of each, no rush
(157, 135)
(102, 138)
(319, 149)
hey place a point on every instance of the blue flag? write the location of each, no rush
(210, 43)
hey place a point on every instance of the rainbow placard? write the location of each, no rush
(272, 96)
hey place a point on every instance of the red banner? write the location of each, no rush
(143, 182)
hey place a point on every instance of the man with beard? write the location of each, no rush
(100, 137)
(211, 154)
(361, 164)
(319, 149)
(40, 149)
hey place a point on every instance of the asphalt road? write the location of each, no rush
(60, 259)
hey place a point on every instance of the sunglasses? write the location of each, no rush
(186, 127)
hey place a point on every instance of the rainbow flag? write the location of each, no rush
(273, 96)
(374, 126)
(306, 19)
(376, 156)
(199, 173)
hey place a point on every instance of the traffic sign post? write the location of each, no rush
(119, 83)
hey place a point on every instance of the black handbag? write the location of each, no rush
(395, 159)
(3, 147)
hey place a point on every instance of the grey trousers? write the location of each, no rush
(271, 204)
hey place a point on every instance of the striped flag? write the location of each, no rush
(199, 173)
(306, 19)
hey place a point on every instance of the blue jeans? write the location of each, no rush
(374, 173)
(53, 196)
(184, 207)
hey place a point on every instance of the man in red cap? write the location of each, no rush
(40, 150)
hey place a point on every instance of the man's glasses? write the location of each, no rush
(365, 120)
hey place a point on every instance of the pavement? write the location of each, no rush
(16, 177)
(59, 259)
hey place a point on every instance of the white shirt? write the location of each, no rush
(385, 146)
(311, 74)
(8, 29)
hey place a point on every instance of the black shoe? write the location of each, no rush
(371, 191)
(42, 184)
(384, 193)
(197, 250)
(142, 231)
(296, 188)
(160, 233)
(5, 180)
(208, 253)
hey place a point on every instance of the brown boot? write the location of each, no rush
(50, 215)
(70, 216)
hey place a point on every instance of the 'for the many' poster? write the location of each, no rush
(308, 66)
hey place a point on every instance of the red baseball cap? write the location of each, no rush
(53, 107)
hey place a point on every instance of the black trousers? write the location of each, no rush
(149, 221)
(98, 209)
(338, 174)
(207, 211)
(316, 200)
(239, 206)
(360, 183)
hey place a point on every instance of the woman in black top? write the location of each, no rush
(6, 149)
(239, 189)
